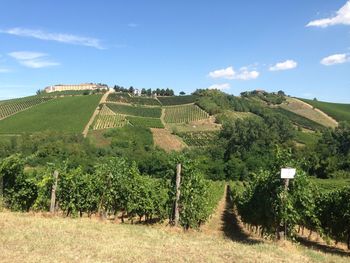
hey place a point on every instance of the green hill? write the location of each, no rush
(68, 114)
(338, 111)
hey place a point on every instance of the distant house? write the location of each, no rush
(84, 86)
(137, 92)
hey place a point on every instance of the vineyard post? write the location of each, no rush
(286, 174)
(177, 198)
(53, 192)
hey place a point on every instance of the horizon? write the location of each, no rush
(231, 46)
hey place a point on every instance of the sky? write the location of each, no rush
(300, 47)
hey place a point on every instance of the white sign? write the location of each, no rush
(288, 173)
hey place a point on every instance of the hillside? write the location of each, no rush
(68, 114)
(338, 111)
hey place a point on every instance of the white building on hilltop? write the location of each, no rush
(84, 86)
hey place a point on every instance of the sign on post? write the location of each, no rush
(288, 173)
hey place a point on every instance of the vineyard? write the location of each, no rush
(177, 100)
(11, 107)
(154, 112)
(114, 185)
(184, 114)
(265, 205)
(200, 138)
(127, 98)
(145, 122)
(70, 93)
(108, 119)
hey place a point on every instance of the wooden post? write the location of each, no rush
(286, 184)
(53, 192)
(177, 198)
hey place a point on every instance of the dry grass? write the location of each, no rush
(29, 238)
(167, 141)
(307, 111)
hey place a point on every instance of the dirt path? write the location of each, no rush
(225, 223)
(103, 100)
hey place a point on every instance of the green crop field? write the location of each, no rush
(185, 113)
(145, 122)
(69, 93)
(10, 107)
(154, 112)
(68, 114)
(126, 98)
(177, 100)
(330, 184)
(338, 111)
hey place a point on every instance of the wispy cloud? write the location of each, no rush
(335, 59)
(133, 25)
(229, 73)
(58, 37)
(222, 86)
(285, 65)
(4, 70)
(342, 16)
(33, 59)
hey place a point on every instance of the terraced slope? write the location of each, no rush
(338, 111)
(68, 114)
(126, 98)
(304, 109)
(177, 100)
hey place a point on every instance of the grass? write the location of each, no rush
(338, 111)
(330, 184)
(127, 98)
(300, 120)
(154, 112)
(299, 107)
(28, 238)
(145, 122)
(307, 138)
(68, 114)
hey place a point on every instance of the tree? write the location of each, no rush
(131, 89)
(182, 93)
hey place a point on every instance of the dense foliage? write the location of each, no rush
(154, 112)
(177, 100)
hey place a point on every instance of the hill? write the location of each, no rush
(338, 111)
(67, 114)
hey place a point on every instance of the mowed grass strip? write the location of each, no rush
(338, 111)
(69, 114)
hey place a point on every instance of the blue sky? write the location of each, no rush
(301, 47)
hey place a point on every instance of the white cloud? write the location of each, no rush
(33, 59)
(335, 59)
(229, 73)
(4, 70)
(342, 17)
(58, 37)
(285, 65)
(223, 86)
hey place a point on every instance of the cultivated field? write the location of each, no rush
(177, 100)
(68, 114)
(184, 114)
(127, 98)
(27, 238)
(301, 108)
(107, 118)
(10, 107)
(167, 141)
(145, 122)
(152, 112)
(199, 138)
(338, 111)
